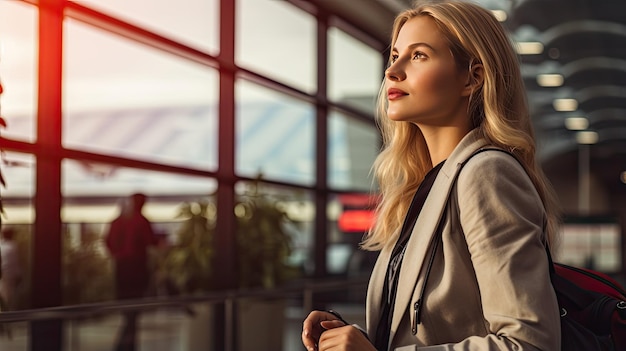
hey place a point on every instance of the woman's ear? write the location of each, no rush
(475, 78)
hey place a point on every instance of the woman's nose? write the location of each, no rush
(394, 73)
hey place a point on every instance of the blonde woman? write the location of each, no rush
(453, 86)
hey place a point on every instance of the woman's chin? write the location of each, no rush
(392, 115)
(396, 117)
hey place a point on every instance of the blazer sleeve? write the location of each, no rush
(502, 216)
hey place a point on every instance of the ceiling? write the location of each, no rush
(584, 41)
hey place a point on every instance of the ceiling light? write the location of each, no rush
(550, 80)
(587, 137)
(529, 48)
(623, 177)
(565, 105)
(499, 15)
(576, 123)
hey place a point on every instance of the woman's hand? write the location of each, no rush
(315, 324)
(340, 337)
(324, 331)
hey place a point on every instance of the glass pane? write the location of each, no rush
(352, 147)
(18, 24)
(194, 22)
(127, 100)
(19, 173)
(275, 135)
(349, 218)
(355, 71)
(275, 233)
(94, 196)
(591, 243)
(276, 39)
(20, 332)
(158, 328)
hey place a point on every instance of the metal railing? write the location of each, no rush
(305, 293)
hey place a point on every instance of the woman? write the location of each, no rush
(454, 86)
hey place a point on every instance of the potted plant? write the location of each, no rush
(263, 244)
(263, 247)
(87, 273)
(263, 241)
(185, 268)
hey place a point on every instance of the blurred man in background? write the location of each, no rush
(129, 238)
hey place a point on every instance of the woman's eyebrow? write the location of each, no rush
(414, 45)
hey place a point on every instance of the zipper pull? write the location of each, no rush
(416, 316)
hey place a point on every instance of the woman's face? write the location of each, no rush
(424, 84)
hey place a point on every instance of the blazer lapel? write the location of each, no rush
(375, 291)
(424, 229)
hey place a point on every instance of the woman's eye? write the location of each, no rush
(394, 58)
(418, 55)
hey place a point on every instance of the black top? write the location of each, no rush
(393, 270)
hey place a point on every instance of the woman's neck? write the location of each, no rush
(441, 141)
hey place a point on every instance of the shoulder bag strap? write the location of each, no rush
(434, 244)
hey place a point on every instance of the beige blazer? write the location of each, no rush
(489, 288)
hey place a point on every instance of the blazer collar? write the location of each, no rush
(419, 241)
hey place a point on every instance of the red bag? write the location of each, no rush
(593, 309)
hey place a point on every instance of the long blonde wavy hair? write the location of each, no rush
(498, 109)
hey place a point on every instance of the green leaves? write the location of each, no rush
(188, 263)
(262, 237)
(264, 243)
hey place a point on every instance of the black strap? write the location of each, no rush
(438, 238)
(420, 302)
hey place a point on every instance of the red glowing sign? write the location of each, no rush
(356, 221)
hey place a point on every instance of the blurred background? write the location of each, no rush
(249, 127)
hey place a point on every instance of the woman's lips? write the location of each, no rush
(394, 94)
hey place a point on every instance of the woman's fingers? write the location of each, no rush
(312, 328)
(345, 338)
(332, 324)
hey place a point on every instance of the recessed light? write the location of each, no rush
(623, 177)
(587, 137)
(565, 104)
(529, 48)
(550, 80)
(576, 123)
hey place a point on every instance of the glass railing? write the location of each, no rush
(251, 320)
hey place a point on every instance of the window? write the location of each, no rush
(591, 242)
(354, 71)
(275, 135)
(18, 170)
(18, 48)
(274, 233)
(352, 147)
(278, 40)
(193, 22)
(94, 195)
(126, 100)
(141, 101)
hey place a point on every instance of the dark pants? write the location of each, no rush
(131, 278)
(127, 338)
